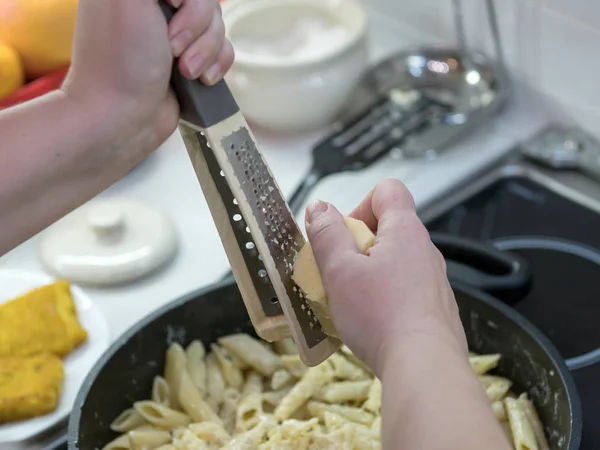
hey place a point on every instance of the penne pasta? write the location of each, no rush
(175, 364)
(192, 402)
(333, 421)
(252, 352)
(241, 393)
(373, 403)
(211, 433)
(127, 421)
(312, 381)
(280, 379)
(482, 364)
(344, 392)
(294, 365)
(160, 391)
(166, 447)
(354, 359)
(248, 412)
(376, 426)
(160, 415)
(252, 385)
(521, 430)
(498, 389)
(196, 366)
(351, 413)
(346, 370)
(228, 410)
(250, 439)
(273, 398)
(231, 373)
(534, 421)
(215, 383)
(285, 347)
(147, 438)
(120, 443)
(499, 411)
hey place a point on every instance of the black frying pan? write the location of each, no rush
(125, 372)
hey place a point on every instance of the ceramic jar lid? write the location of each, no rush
(109, 242)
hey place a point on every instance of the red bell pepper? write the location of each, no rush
(36, 88)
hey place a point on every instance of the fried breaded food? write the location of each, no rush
(42, 320)
(30, 386)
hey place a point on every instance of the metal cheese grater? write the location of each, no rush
(254, 221)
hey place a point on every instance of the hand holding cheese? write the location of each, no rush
(307, 276)
(372, 289)
(380, 284)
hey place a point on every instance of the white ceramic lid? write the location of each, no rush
(109, 242)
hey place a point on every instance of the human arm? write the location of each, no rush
(57, 153)
(396, 310)
(60, 150)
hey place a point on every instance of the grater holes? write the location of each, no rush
(276, 226)
(264, 276)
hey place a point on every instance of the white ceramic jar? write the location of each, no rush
(297, 61)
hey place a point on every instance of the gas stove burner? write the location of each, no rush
(562, 256)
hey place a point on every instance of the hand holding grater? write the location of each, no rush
(254, 221)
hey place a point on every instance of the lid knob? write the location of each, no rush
(106, 220)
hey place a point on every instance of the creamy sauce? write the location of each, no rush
(308, 37)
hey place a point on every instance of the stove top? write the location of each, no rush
(549, 213)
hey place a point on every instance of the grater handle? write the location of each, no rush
(199, 104)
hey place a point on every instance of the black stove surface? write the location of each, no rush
(559, 238)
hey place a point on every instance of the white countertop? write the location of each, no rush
(166, 180)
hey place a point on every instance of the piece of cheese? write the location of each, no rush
(306, 273)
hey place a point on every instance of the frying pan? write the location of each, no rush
(124, 374)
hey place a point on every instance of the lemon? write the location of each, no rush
(12, 76)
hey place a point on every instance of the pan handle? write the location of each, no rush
(502, 274)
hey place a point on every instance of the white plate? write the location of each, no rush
(77, 364)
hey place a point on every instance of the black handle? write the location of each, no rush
(199, 104)
(502, 274)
